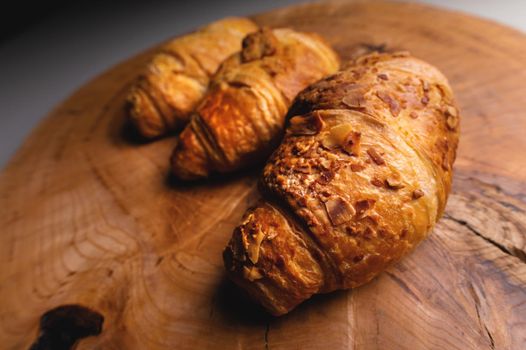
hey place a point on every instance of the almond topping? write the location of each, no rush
(394, 182)
(452, 111)
(339, 210)
(425, 85)
(377, 182)
(252, 273)
(418, 193)
(375, 156)
(445, 163)
(258, 45)
(394, 107)
(351, 144)
(253, 248)
(336, 136)
(354, 99)
(305, 125)
(363, 205)
(356, 167)
(425, 100)
(383, 76)
(451, 122)
(304, 169)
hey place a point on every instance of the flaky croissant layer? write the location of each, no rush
(359, 180)
(242, 117)
(177, 77)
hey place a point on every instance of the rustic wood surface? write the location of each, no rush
(90, 217)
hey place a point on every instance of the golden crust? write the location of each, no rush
(176, 78)
(243, 114)
(365, 168)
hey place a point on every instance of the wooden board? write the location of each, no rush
(90, 217)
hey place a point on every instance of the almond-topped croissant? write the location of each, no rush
(242, 117)
(176, 79)
(359, 180)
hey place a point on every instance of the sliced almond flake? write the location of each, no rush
(393, 104)
(356, 167)
(336, 136)
(311, 124)
(425, 85)
(304, 169)
(375, 156)
(258, 45)
(451, 122)
(271, 235)
(254, 246)
(452, 111)
(393, 181)
(425, 100)
(325, 176)
(417, 193)
(351, 144)
(377, 182)
(364, 205)
(252, 273)
(355, 99)
(383, 76)
(339, 210)
(445, 163)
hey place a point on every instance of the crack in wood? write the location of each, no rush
(492, 342)
(501, 247)
(267, 330)
(481, 321)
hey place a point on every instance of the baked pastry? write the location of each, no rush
(359, 180)
(242, 117)
(176, 79)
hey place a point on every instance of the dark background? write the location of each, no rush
(50, 48)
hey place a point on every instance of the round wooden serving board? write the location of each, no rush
(90, 217)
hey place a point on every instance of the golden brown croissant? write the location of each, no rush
(242, 117)
(360, 178)
(177, 77)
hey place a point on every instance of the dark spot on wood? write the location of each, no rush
(63, 326)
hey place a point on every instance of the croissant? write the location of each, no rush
(362, 175)
(242, 117)
(176, 79)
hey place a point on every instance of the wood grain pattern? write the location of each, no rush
(90, 217)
